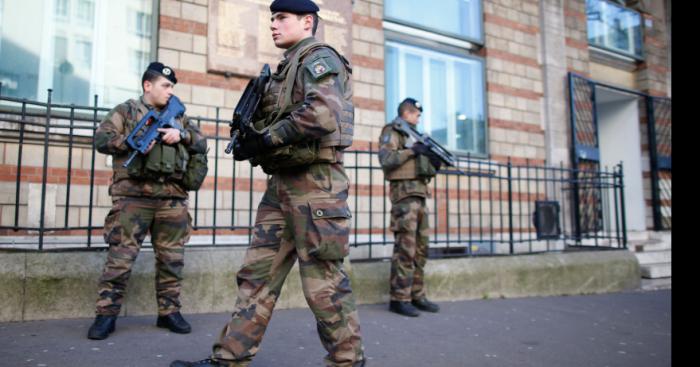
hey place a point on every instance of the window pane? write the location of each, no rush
(461, 18)
(471, 123)
(61, 8)
(391, 58)
(413, 76)
(614, 27)
(140, 23)
(435, 111)
(86, 11)
(451, 89)
(85, 48)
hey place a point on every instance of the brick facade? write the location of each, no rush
(516, 88)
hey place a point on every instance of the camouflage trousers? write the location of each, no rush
(409, 221)
(126, 227)
(302, 215)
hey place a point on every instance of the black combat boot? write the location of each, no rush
(102, 327)
(203, 363)
(424, 305)
(174, 322)
(403, 308)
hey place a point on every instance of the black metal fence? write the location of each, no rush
(490, 208)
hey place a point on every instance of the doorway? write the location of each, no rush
(620, 141)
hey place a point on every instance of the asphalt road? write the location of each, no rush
(622, 329)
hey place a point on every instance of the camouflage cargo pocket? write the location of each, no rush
(112, 228)
(328, 236)
(400, 220)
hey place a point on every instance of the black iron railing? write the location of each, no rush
(487, 209)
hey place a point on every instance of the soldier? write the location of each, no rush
(409, 170)
(306, 120)
(148, 196)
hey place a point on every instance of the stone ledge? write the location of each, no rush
(36, 286)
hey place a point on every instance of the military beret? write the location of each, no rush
(294, 6)
(413, 103)
(166, 71)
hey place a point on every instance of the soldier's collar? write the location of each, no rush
(292, 50)
(148, 106)
(398, 120)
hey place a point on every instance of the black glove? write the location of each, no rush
(246, 148)
(435, 160)
(420, 148)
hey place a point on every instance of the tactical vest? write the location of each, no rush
(279, 101)
(414, 168)
(163, 162)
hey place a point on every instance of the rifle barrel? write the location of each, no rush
(131, 158)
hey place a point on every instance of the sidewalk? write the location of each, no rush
(621, 329)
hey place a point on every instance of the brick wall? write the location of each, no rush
(515, 100)
(514, 80)
(368, 71)
(576, 37)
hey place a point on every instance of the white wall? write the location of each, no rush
(618, 124)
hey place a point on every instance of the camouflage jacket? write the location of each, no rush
(394, 156)
(321, 99)
(110, 138)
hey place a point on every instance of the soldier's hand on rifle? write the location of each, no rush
(170, 135)
(247, 148)
(420, 148)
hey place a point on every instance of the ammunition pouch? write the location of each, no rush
(196, 172)
(299, 154)
(424, 168)
(163, 162)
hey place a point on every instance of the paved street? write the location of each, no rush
(623, 329)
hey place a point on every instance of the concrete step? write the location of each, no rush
(662, 236)
(649, 245)
(633, 236)
(653, 271)
(653, 257)
(656, 284)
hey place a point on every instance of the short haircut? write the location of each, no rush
(315, 25)
(405, 106)
(150, 75)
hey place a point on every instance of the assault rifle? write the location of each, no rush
(246, 107)
(437, 149)
(147, 129)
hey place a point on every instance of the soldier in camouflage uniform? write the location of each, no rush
(306, 120)
(148, 196)
(409, 170)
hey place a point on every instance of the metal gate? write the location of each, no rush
(659, 130)
(585, 158)
(585, 154)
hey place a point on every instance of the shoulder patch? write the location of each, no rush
(320, 68)
(386, 138)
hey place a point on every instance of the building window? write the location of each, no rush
(614, 28)
(140, 23)
(83, 53)
(451, 89)
(61, 9)
(456, 18)
(86, 11)
(86, 49)
(139, 61)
